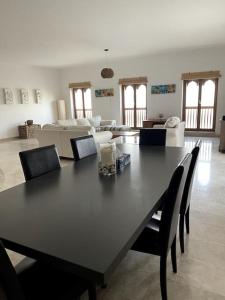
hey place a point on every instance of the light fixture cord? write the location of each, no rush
(106, 57)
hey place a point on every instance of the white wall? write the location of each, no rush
(17, 77)
(160, 69)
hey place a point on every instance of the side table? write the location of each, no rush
(222, 136)
(27, 131)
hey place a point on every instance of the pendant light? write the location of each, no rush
(107, 72)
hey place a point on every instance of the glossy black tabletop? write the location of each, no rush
(81, 221)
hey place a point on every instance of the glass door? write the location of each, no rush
(82, 103)
(134, 102)
(207, 105)
(199, 104)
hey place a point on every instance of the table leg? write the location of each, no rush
(92, 293)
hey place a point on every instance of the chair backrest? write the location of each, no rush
(10, 288)
(83, 146)
(171, 205)
(188, 184)
(152, 137)
(39, 161)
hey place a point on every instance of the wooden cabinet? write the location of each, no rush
(27, 131)
(151, 122)
(222, 136)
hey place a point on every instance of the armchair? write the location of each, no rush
(175, 135)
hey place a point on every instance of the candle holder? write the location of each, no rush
(107, 159)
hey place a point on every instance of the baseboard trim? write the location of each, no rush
(9, 139)
(201, 134)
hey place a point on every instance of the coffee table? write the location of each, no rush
(124, 133)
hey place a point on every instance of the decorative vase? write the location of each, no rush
(107, 159)
(29, 122)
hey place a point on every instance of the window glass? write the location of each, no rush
(129, 97)
(78, 99)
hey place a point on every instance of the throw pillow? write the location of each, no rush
(69, 122)
(172, 122)
(53, 127)
(95, 121)
(84, 122)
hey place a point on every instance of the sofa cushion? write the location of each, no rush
(91, 129)
(52, 127)
(83, 122)
(95, 121)
(114, 128)
(172, 122)
(108, 122)
(69, 122)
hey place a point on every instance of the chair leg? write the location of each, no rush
(174, 256)
(187, 220)
(92, 295)
(181, 233)
(163, 277)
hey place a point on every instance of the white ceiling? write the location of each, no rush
(68, 32)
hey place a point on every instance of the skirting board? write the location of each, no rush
(9, 139)
(201, 134)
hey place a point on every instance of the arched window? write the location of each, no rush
(199, 104)
(82, 103)
(134, 104)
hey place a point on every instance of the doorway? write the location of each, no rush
(199, 104)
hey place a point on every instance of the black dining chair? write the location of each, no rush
(31, 280)
(39, 161)
(83, 146)
(152, 137)
(159, 236)
(186, 197)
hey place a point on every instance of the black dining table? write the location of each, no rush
(79, 221)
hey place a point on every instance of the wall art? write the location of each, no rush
(8, 96)
(37, 93)
(163, 89)
(104, 93)
(24, 96)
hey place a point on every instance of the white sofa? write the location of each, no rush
(96, 122)
(175, 135)
(61, 135)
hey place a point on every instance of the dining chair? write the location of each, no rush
(186, 197)
(159, 236)
(152, 137)
(39, 161)
(83, 146)
(31, 280)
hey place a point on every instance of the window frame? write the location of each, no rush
(200, 82)
(135, 87)
(84, 110)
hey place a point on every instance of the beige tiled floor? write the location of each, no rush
(201, 270)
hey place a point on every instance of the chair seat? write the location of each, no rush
(149, 241)
(39, 281)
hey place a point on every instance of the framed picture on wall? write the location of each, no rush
(104, 93)
(163, 89)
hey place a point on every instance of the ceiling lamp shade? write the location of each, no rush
(107, 72)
